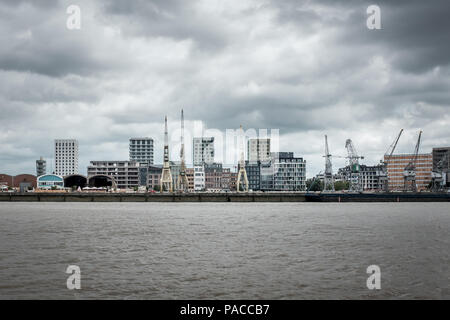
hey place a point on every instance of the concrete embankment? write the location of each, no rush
(226, 197)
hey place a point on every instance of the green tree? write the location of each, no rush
(314, 184)
(341, 185)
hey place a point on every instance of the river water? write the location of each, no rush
(224, 250)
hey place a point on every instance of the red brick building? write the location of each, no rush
(397, 164)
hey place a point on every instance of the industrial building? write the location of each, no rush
(21, 182)
(371, 176)
(396, 167)
(125, 173)
(141, 150)
(66, 157)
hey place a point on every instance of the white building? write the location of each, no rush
(199, 178)
(66, 157)
(141, 150)
(258, 150)
(203, 150)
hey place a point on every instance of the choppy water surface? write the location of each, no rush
(224, 251)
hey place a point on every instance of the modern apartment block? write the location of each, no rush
(41, 167)
(258, 150)
(141, 150)
(253, 170)
(397, 164)
(66, 157)
(125, 173)
(203, 150)
(199, 178)
(289, 172)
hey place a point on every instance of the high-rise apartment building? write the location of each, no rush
(66, 157)
(258, 150)
(141, 150)
(203, 150)
(396, 166)
(41, 167)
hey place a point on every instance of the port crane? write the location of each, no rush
(409, 173)
(242, 172)
(328, 179)
(387, 157)
(353, 159)
(166, 183)
(182, 181)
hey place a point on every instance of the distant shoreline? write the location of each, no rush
(226, 197)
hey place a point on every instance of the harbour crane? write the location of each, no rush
(328, 182)
(166, 183)
(182, 181)
(409, 173)
(387, 157)
(353, 160)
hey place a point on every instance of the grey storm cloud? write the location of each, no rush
(307, 68)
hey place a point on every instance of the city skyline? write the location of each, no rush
(262, 65)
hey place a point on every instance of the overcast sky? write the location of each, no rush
(307, 68)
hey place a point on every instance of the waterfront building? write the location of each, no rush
(289, 172)
(397, 164)
(226, 179)
(41, 167)
(21, 182)
(50, 181)
(258, 150)
(203, 150)
(253, 169)
(190, 178)
(441, 165)
(371, 176)
(441, 159)
(141, 150)
(154, 177)
(213, 176)
(66, 157)
(266, 180)
(124, 173)
(199, 178)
